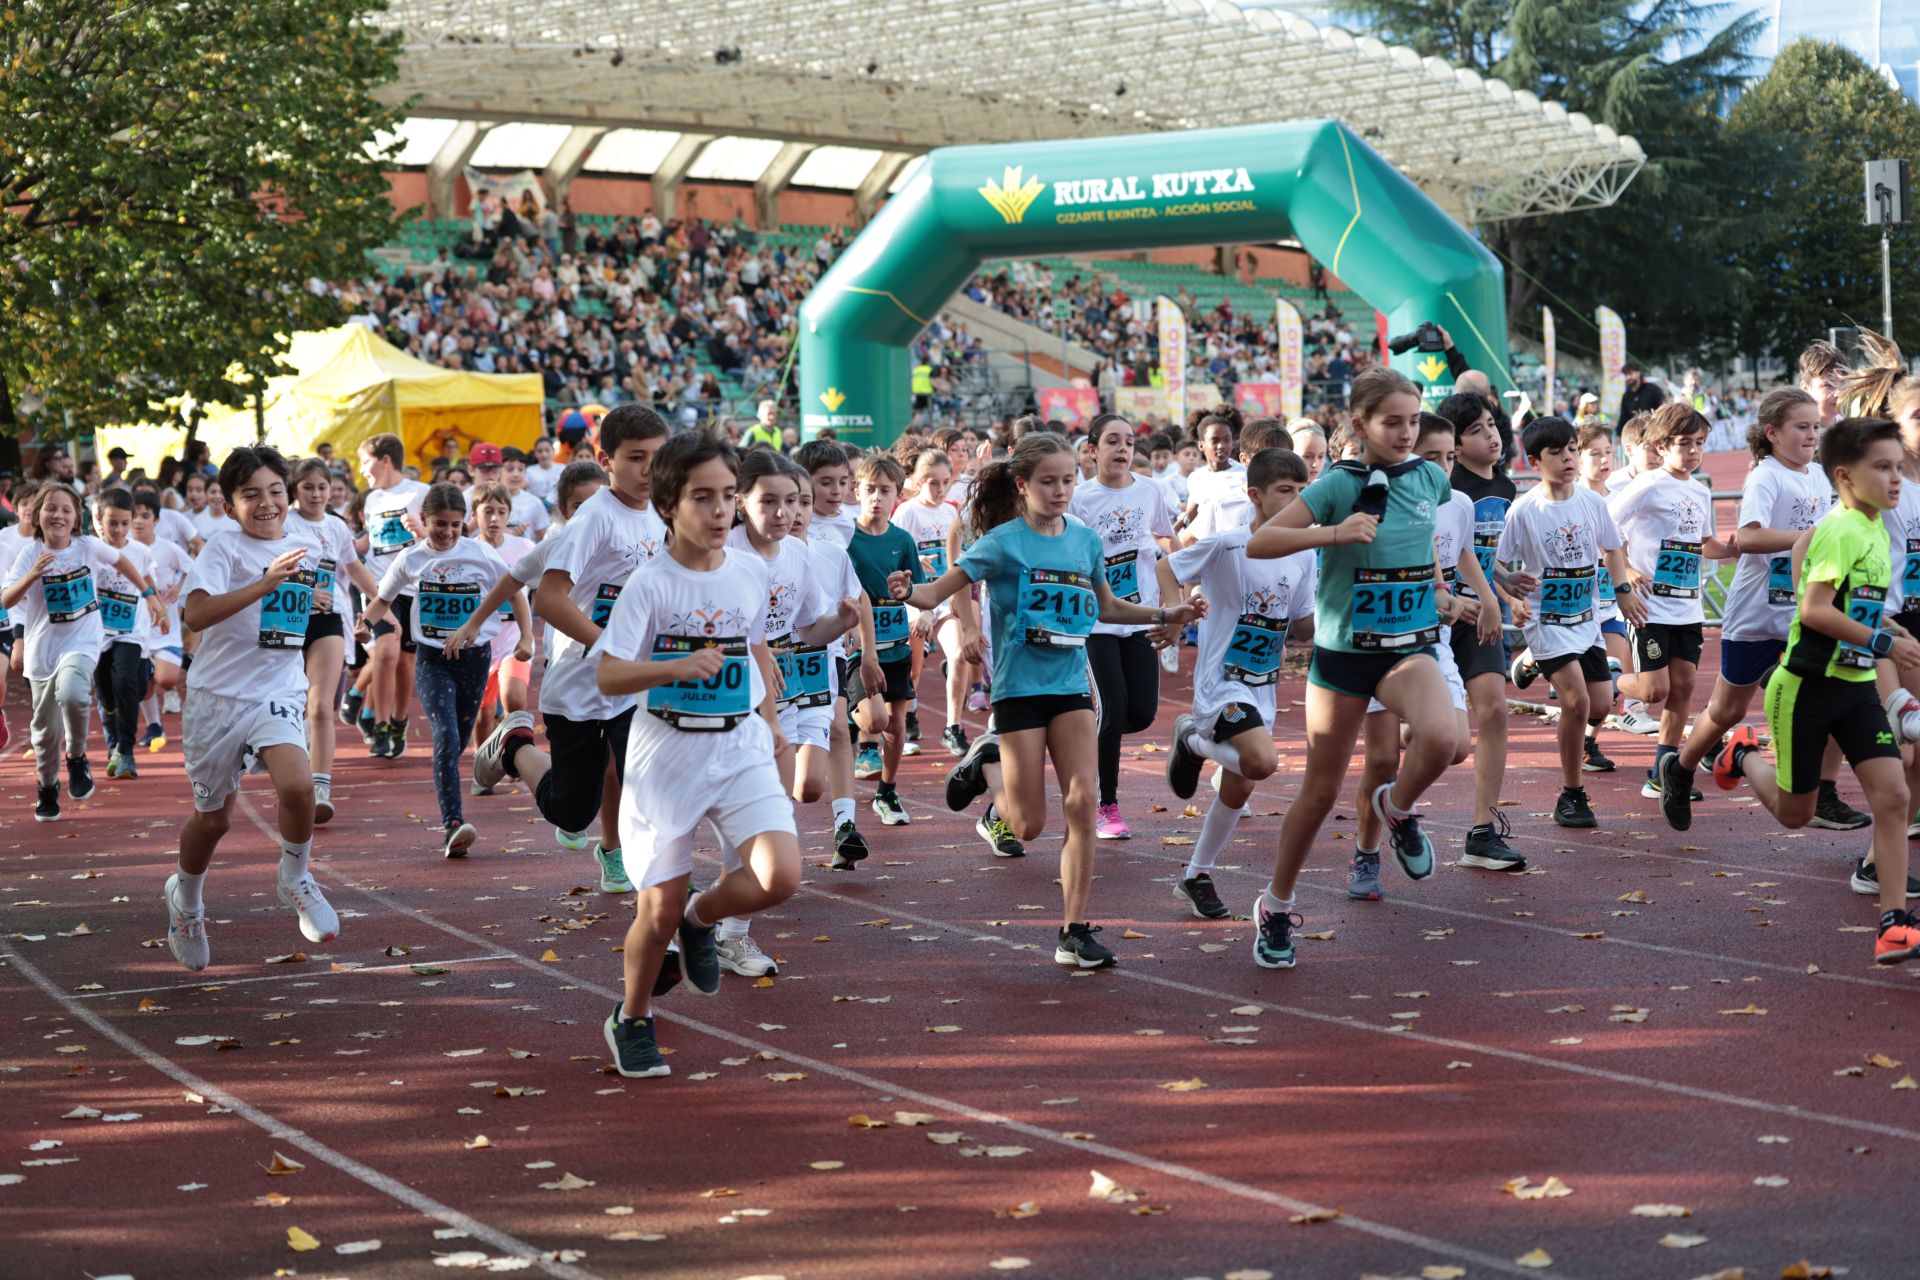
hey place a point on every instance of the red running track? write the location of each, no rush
(1437, 1045)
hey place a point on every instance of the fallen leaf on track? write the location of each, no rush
(827, 1166)
(1904, 1082)
(1775, 1180)
(1534, 1259)
(283, 1165)
(1105, 1188)
(1025, 1209)
(864, 1121)
(1010, 1264)
(299, 1241)
(1551, 1189)
(912, 1118)
(1442, 1273)
(1673, 1240)
(478, 1142)
(1750, 1011)
(1661, 1211)
(1184, 1086)
(1804, 1270)
(568, 1182)
(357, 1246)
(786, 1077)
(1315, 1215)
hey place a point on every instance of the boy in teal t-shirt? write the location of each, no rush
(879, 681)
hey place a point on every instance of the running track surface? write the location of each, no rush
(1433, 1047)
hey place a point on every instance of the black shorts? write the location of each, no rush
(1909, 619)
(1804, 712)
(1476, 659)
(1593, 664)
(1658, 643)
(1011, 715)
(322, 625)
(401, 620)
(1356, 675)
(1235, 719)
(896, 683)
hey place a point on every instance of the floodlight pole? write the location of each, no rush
(1886, 277)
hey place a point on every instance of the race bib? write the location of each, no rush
(712, 705)
(1253, 654)
(323, 580)
(934, 554)
(889, 631)
(284, 612)
(1566, 596)
(1780, 579)
(1603, 585)
(1910, 572)
(441, 608)
(69, 596)
(1484, 546)
(1058, 607)
(1865, 605)
(803, 672)
(1394, 608)
(118, 611)
(1676, 573)
(1123, 575)
(390, 534)
(603, 601)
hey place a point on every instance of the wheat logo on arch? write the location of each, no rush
(1010, 197)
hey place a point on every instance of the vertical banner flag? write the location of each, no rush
(1291, 358)
(1613, 354)
(1547, 360)
(1173, 358)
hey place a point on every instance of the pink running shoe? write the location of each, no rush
(1108, 825)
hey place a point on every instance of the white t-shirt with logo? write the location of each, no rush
(332, 542)
(61, 611)
(604, 544)
(1762, 599)
(259, 652)
(1561, 543)
(124, 618)
(836, 528)
(1664, 520)
(447, 588)
(176, 528)
(171, 566)
(513, 552)
(1206, 486)
(1251, 603)
(542, 480)
(528, 512)
(386, 512)
(1128, 519)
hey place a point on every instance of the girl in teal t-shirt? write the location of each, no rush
(1046, 584)
(1378, 610)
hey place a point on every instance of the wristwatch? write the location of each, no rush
(1881, 644)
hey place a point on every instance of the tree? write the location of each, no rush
(1812, 122)
(171, 177)
(1662, 255)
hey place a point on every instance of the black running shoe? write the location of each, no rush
(1183, 762)
(1866, 880)
(636, 1054)
(1198, 892)
(396, 739)
(47, 807)
(1572, 809)
(1273, 935)
(966, 781)
(377, 741)
(1487, 847)
(1079, 949)
(1676, 793)
(350, 707)
(1835, 814)
(669, 975)
(999, 836)
(1411, 848)
(79, 777)
(849, 847)
(699, 958)
(1595, 762)
(954, 739)
(369, 732)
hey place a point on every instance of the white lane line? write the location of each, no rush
(361, 1173)
(312, 975)
(1184, 1173)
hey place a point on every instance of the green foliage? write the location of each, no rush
(171, 176)
(1811, 123)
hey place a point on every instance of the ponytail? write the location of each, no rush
(995, 498)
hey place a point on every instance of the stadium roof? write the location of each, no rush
(892, 76)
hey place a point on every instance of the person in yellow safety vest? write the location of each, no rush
(922, 387)
(765, 431)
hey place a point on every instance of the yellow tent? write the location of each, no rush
(349, 384)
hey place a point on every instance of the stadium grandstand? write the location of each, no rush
(632, 199)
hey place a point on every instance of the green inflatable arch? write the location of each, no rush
(1314, 180)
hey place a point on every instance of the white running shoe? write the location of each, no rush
(613, 869)
(489, 764)
(460, 839)
(1170, 660)
(318, 920)
(742, 955)
(1903, 712)
(1633, 718)
(322, 803)
(574, 840)
(186, 932)
(170, 703)
(475, 789)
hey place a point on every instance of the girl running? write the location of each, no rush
(1046, 579)
(326, 644)
(508, 673)
(121, 676)
(53, 590)
(447, 576)
(928, 517)
(1376, 622)
(1135, 525)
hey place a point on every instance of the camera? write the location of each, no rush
(1427, 338)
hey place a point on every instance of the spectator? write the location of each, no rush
(1640, 396)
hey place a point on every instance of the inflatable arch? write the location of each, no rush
(1313, 180)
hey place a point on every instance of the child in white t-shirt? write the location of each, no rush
(129, 634)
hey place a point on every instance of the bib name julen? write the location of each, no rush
(1129, 188)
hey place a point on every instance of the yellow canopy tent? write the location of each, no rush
(349, 384)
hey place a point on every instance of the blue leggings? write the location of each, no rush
(449, 691)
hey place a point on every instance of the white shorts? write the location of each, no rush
(1456, 687)
(223, 738)
(674, 783)
(807, 726)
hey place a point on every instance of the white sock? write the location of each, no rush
(149, 711)
(693, 913)
(294, 859)
(1221, 819)
(1221, 753)
(731, 927)
(187, 889)
(1386, 802)
(842, 810)
(1273, 904)
(322, 780)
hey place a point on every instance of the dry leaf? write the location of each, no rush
(1551, 1189)
(826, 1166)
(1025, 1209)
(1442, 1273)
(912, 1118)
(1458, 1066)
(786, 1077)
(1804, 1270)
(1882, 1061)
(1638, 895)
(292, 957)
(1534, 1259)
(1314, 1215)
(1176, 840)
(1245, 1011)
(1150, 1210)
(1774, 1139)
(1750, 1011)
(1105, 1188)
(568, 1182)
(1134, 934)
(718, 1193)
(1325, 935)
(764, 981)
(1628, 1015)
(548, 956)
(478, 1142)
(1774, 1180)
(1906, 1082)
(1661, 1211)
(1184, 1086)
(1568, 1008)
(1010, 1264)
(943, 1031)
(864, 1121)
(1191, 811)
(283, 1165)
(299, 1241)
(1253, 1273)
(1673, 1240)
